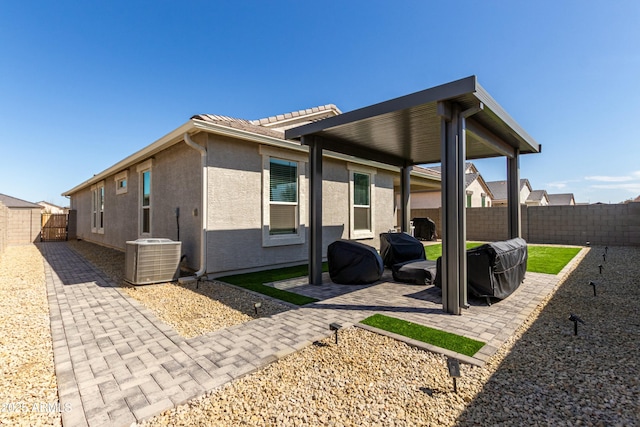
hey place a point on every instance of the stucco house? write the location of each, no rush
(499, 191)
(537, 198)
(564, 199)
(51, 208)
(235, 193)
(478, 193)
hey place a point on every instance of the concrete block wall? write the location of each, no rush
(4, 226)
(23, 226)
(615, 225)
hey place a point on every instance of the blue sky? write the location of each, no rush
(85, 84)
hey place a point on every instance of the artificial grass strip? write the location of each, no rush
(254, 282)
(433, 252)
(442, 339)
(549, 259)
(542, 259)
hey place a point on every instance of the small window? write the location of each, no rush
(121, 182)
(145, 197)
(483, 199)
(361, 213)
(469, 200)
(97, 208)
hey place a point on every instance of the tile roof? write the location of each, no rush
(563, 199)
(537, 195)
(275, 125)
(13, 202)
(499, 188)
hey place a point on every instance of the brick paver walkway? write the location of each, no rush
(116, 363)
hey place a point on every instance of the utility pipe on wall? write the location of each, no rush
(204, 202)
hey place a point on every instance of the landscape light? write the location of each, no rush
(575, 319)
(335, 327)
(454, 371)
(256, 306)
(600, 267)
(604, 257)
(594, 288)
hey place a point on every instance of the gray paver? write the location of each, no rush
(117, 363)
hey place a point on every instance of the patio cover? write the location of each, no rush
(449, 124)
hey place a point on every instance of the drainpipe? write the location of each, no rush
(203, 211)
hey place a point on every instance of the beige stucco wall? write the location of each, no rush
(477, 190)
(235, 217)
(175, 183)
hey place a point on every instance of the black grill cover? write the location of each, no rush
(418, 272)
(400, 247)
(424, 228)
(353, 263)
(495, 269)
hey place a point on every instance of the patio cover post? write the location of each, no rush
(405, 193)
(315, 209)
(513, 195)
(454, 269)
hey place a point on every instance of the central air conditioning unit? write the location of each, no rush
(152, 261)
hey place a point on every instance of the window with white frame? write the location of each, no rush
(283, 197)
(145, 198)
(361, 189)
(121, 182)
(469, 198)
(97, 208)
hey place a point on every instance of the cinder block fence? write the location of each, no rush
(615, 225)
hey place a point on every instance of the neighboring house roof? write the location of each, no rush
(47, 204)
(637, 199)
(536, 196)
(298, 118)
(563, 199)
(14, 202)
(499, 188)
(469, 167)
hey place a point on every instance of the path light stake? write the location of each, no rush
(600, 267)
(335, 327)
(575, 319)
(604, 257)
(606, 249)
(454, 371)
(256, 306)
(594, 288)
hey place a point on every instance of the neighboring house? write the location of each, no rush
(478, 193)
(499, 191)
(537, 198)
(565, 199)
(21, 222)
(50, 208)
(243, 187)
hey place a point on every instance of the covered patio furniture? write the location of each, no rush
(353, 263)
(400, 247)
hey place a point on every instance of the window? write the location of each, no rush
(283, 197)
(469, 194)
(97, 208)
(361, 186)
(121, 182)
(483, 199)
(144, 170)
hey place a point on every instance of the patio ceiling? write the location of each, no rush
(407, 130)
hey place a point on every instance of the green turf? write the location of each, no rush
(442, 339)
(254, 281)
(542, 259)
(433, 252)
(549, 259)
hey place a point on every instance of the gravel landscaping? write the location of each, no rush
(28, 391)
(543, 375)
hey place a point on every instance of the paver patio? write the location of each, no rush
(117, 363)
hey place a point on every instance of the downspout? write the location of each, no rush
(203, 210)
